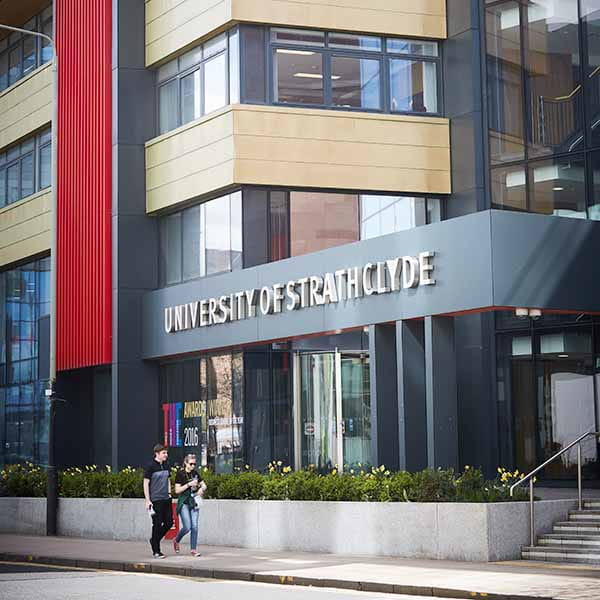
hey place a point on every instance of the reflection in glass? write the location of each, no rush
(349, 41)
(168, 103)
(192, 243)
(554, 77)
(191, 97)
(3, 71)
(355, 82)
(380, 215)
(45, 166)
(29, 44)
(2, 187)
(319, 221)
(280, 226)
(509, 188)
(14, 65)
(557, 187)
(12, 177)
(298, 76)
(505, 90)
(236, 230)
(215, 83)
(413, 86)
(220, 415)
(171, 243)
(590, 15)
(594, 174)
(298, 36)
(217, 235)
(234, 67)
(27, 179)
(417, 47)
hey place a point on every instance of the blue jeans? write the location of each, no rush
(188, 518)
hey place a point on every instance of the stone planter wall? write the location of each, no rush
(452, 531)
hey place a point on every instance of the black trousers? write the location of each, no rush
(162, 521)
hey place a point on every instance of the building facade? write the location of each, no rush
(344, 235)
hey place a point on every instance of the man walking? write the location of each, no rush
(157, 489)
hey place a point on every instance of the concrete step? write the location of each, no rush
(584, 515)
(591, 504)
(586, 527)
(569, 539)
(583, 554)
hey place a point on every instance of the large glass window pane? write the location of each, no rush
(298, 36)
(168, 99)
(413, 86)
(236, 231)
(215, 83)
(590, 15)
(259, 424)
(509, 188)
(3, 71)
(46, 47)
(554, 77)
(2, 187)
(253, 63)
(350, 41)
(355, 82)
(191, 97)
(417, 47)
(188, 60)
(191, 243)
(298, 76)
(218, 235)
(27, 176)
(319, 221)
(29, 50)
(280, 225)
(557, 187)
(434, 210)
(167, 70)
(215, 45)
(505, 90)
(381, 215)
(171, 243)
(220, 413)
(594, 207)
(45, 166)
(14, 65)
(12, 176)
(234, 67)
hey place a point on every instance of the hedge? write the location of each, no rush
(278, 483)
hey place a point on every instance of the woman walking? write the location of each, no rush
(187, 483)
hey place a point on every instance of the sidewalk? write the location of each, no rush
(495, 581)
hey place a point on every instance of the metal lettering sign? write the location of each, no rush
(382, 277)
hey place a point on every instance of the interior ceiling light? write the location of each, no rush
(563, 356)
(558, 189)
(298, 52)
(315, 76)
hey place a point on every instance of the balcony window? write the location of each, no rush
(21, 54)
(349, 71)
(199, 82)
(25, 168)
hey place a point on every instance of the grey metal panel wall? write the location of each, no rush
(462, 271)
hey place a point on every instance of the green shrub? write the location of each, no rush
(279, 483)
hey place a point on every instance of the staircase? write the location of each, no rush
(576, 540)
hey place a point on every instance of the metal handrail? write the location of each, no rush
(529, 477)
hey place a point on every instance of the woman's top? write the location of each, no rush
(186, 496)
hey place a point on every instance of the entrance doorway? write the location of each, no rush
(332, 409)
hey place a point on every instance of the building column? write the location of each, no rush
(441, 394)
(412, 414)
(383, 388)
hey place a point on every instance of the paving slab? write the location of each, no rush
(495, 581)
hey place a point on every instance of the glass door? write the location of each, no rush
(333, 410)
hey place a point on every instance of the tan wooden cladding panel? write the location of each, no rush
(172, 25)
(26, 106)
(246, 144)
(25, 228)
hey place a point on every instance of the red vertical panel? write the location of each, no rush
(84, 308)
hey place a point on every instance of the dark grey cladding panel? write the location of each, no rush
(462, 272)
(545, 262)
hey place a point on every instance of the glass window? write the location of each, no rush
(298, 36)
(2, 187)
(298, 76)
(590, 15)
(168, 102)
(505, 90)
(14, 65)
(191, 97)
(236, 231)
(413, 86)
(29, 51)
(508, 188)
(349, 41)
(557, 187)
(192, 243)
(46, 47)
(218, 235)
(381, 215)
(416, 47)
(167, 70)
(554, 77)
(319, 221)
(186, 61)
(355, 82)
(27, 177)
(594, 174)
(434, 210)
(3, 71)
(172, 247)
(45, 166)
(12, 176)
(215, 83)
(234, 67)
(280, 225)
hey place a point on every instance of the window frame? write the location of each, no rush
(181, 74)
(38, 26)
(36, 151)
(384, 56)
